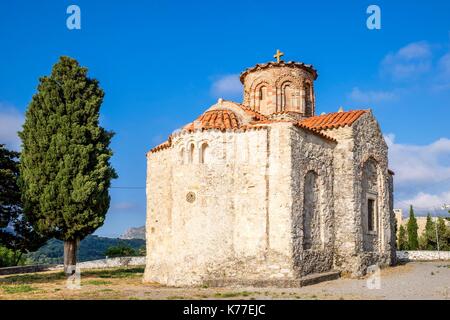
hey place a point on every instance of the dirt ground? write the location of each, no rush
(415, 280)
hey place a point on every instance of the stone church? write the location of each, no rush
(266, 192)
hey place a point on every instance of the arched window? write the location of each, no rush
(308, 99)
(369, 205)
(191, 153)
(182, 155)
(261, 100)
(204, 153)
(311, 213)
(286, 97)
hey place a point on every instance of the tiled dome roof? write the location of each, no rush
(215, 119)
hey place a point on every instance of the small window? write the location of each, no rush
(182, 155)
(371, 214)
(204, 153)
(308, 100)
(191, 153)
(261, 98)
(262, 93)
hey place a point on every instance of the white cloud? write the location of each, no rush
(11, 121)
(411, 61)
(443, 73)
(227, 86)
(422, 173)
(416, 164)
(444, 65)
(370, 96)
(124, 206)
(427, 201)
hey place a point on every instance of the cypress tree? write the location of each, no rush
(16, 233)
(65, 169)
(429, 234)
(9, 190)
(413, 241)
(402, 239)
(443, 235)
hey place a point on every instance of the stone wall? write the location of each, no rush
(312, 154)
(106, 263)
(94, 264)
(357, 145)
(25, 269)
(231, 204)
(422, 255)
(371, 146)
(244, 218)
(226, 218)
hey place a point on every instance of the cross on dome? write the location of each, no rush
(278, 55)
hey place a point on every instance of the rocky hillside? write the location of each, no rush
(134, 233)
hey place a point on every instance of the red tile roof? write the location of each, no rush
(165, 145)
(315, 131)
(255, 114)
(225, 119)
(215, 119)
(332, 120)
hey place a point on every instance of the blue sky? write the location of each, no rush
(161, 63)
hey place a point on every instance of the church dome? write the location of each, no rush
(225, 115)
(280, 87)
(215, 119)
(261, 66)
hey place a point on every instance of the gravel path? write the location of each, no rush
(415, 280)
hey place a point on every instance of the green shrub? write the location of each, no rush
(121, 251)
(9, 258)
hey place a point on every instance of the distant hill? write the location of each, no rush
(91, 248)
(134, 233)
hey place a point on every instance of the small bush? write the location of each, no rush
(10, 258)
(121, 251)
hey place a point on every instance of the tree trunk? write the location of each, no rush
(70, 256)
(17, 259)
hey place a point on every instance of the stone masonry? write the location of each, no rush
(265, 191)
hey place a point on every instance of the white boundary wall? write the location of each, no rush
(422, 255)
(108, 263)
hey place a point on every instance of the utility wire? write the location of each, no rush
(127, 187)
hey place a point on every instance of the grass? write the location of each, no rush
(97, 282)
(33, 278)
(19, 288)
(232, 294)
(175, 298)
(116, 273)
(24, 284)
